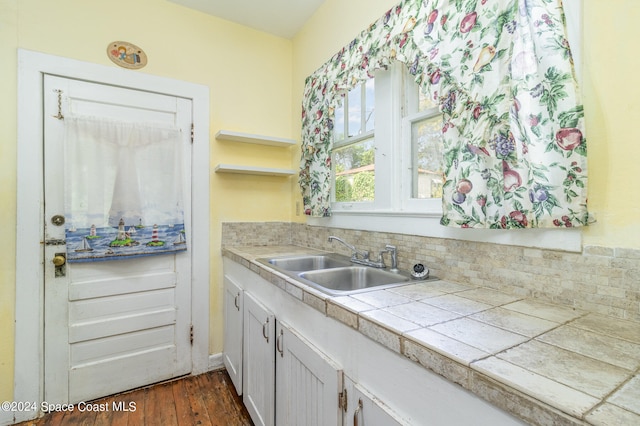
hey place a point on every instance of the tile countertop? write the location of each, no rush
(544, 363)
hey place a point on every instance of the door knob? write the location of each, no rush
(59, 260)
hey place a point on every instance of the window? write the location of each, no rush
(395, 141)
(406, 129)
(393, 164)
(353, 156)
(422, 134)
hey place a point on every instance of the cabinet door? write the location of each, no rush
(364, 409)
(307, 382)
(258, 361)
(233, 318)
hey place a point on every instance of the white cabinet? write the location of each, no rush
(300, 388)
(307, 382)
(233, 330)
(258, 362)
(391, 386)
(365, 409)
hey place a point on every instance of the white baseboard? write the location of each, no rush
(10, 418)
(216, 362)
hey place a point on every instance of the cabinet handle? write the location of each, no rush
(264, 330)
(279, 344)
(356, 413)
(235, 301)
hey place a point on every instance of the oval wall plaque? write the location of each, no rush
(126, 55)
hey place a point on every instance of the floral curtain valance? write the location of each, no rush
(513, 128)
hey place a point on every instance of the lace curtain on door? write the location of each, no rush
(513, 127)
(123, 189)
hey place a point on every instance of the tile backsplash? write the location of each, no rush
(600, 279)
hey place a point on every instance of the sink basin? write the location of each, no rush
(307, 262)
(334, 274)
(352, 279)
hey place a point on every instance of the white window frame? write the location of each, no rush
(408, 202)
(384, 155)
(422, 217)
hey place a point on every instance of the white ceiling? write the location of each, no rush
(283, 18)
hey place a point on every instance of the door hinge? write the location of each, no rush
(55, 242)
(192, 133)
(342, 400)
(191, 334)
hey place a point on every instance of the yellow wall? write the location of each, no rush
(8, 132)
(612, 104)
(249, 76)
(191, 46)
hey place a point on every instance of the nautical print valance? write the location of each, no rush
(123, 189)
(513, 127)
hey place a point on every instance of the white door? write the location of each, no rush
(233, 316)
(258, 362)
(307, 382)
(118, 324)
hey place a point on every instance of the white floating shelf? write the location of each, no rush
(227, 135)
(250, 170)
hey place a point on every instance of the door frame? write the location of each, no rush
(29, 322)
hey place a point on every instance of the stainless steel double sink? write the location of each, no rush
(334, 274)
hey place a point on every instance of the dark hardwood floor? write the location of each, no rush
(207, 399)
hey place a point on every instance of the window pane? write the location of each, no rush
(338, 124)
(354, 102)
(370, 102)
(355, 172)
(424, 101)
(426, 139)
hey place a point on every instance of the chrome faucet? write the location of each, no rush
(364, 255)
(354, 251)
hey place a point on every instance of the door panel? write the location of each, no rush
(307, 383)
(114, 325)
(365, 409)
(233, 330)
(96, 351)
(258, 375)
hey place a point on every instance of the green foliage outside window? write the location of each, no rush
(343, 189)
(363, 186)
